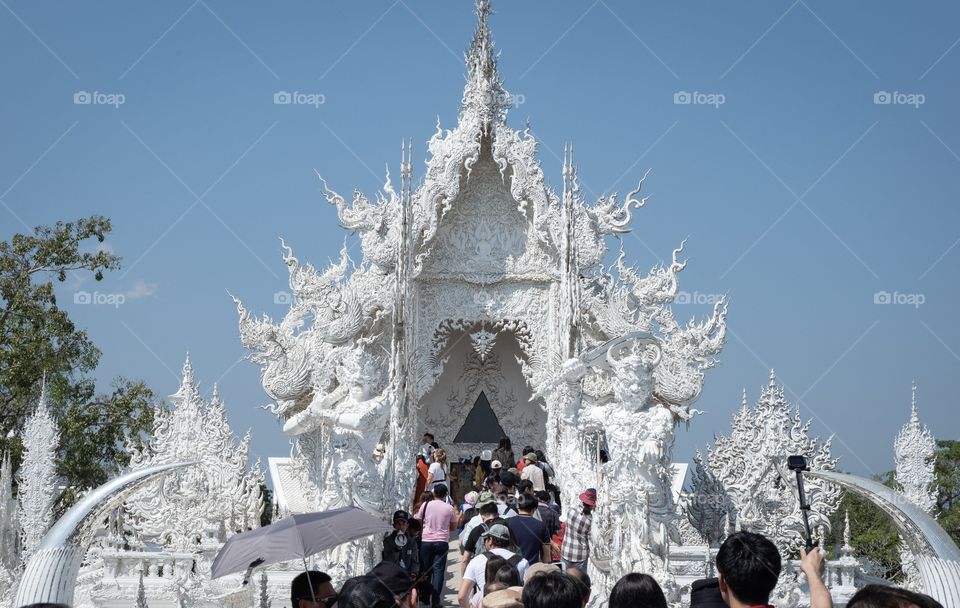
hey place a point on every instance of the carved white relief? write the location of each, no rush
(758, 492)
(37, 477)
(915, 449)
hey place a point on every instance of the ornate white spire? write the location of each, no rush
(847, 548)
(483, 95)
(176, 512)
(141, 593)
(915, 449)
(37, 477)
(746, 464)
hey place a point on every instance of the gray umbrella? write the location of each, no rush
(295, 537)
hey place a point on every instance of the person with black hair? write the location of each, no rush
(881, 596)
(548, 515)
(637, 590)
(528, 532)
(748, 566)
(524, 486)
(399, 547)
(439, 520)
(504, 453)
(473, 544)
(555, 590)
(584, 584)
(312, 589)
(497, 541)
(385, 586)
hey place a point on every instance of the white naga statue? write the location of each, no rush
(345, 417)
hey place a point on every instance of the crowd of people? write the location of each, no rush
(517, 552)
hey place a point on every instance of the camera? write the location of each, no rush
(797, 463)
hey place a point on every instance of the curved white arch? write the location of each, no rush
(51, 573)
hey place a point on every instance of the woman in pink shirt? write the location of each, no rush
(439, 519)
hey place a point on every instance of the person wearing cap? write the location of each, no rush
(399, 548)
(485, 497)
(473, 543)
(523, 458)
(312, 589)
(385, 586)
(504, 498)
(468, 510)
(504, 598)
(497, 541)
(532, 472)
(575, 550)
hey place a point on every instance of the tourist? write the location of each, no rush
(533, 473)
(546, 467)
(484, 498)
(548, 515)
(748, 566)
(585, 585)
(385, 586)
(529, 533)
(539, 569)
(468, 510)
(439, 519)
(554, 590)
(480, 472)
(504, 452)
(575, 550)
(422, 470)
(882, 596)
(427, 496)
(814, 564)
(524, 486)
(312, 589)
(497, 541)
(494, 563)
(494, 476)
(473, 543)
(399, 548)
(504, 499)
(510, 597)
(705, 593)
(428, 445)
(506, 574)
(635, 590)
(437, 473)
(523, 458)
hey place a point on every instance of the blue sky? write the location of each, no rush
(814, 168)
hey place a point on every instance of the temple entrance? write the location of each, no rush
(480, 396)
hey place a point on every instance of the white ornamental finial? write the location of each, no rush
(37, 477)
(914, 416)
(484, 95)
(915, 449)
(846, 532)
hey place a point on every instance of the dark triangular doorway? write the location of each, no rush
(481, 424)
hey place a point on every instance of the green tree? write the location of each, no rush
(947, 471)
(38, 338)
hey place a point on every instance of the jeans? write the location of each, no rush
(581, 566)
(433, 554)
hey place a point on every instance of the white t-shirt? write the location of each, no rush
(438, 473)
(477, 568)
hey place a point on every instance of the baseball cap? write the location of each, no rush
(498, 531)
(400, 515)
(393, 577)
(531, 457)
(486, 455)
(496, 465)
(505, 598)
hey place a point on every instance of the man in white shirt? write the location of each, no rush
(533, 472)
(497, 541)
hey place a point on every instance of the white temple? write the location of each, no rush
(478, 284)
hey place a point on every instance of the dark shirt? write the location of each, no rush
(550, 519)
(474, 537)
(530, 535)
(407, 556)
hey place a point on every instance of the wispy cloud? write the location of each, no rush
(141, 289)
